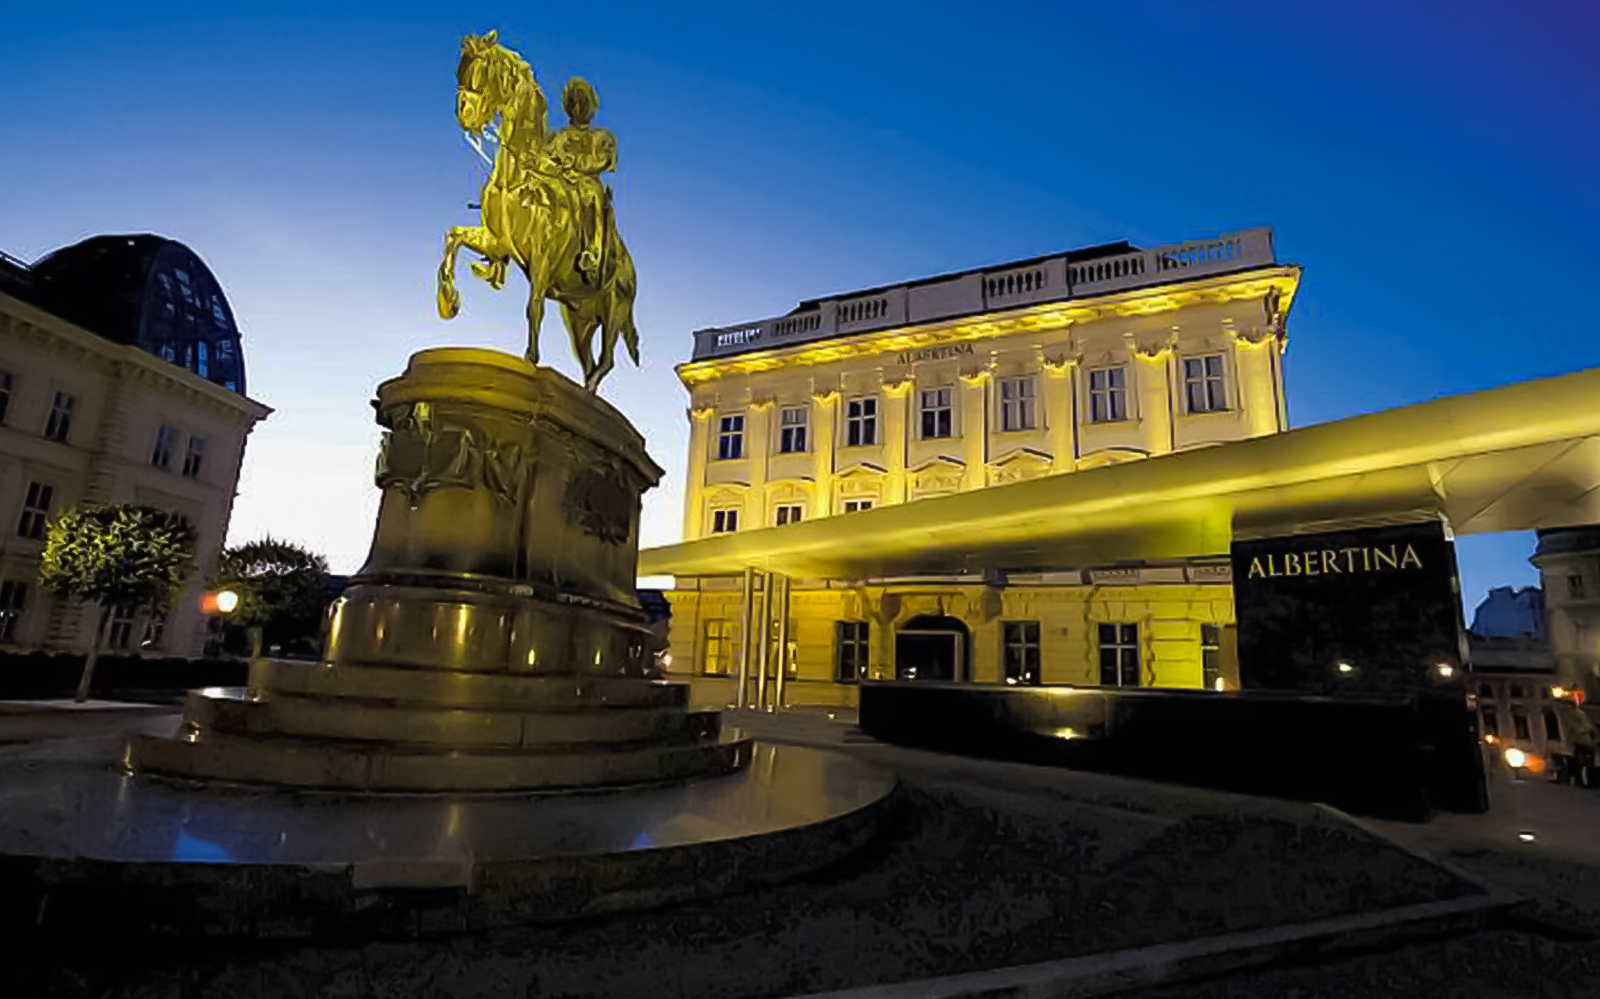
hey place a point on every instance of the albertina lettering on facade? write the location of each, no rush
(935, 353)
(1332, 561)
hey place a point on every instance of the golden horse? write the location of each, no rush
(531, 210)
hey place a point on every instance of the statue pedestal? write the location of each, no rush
(492, 641)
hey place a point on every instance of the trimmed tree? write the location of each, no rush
(117, 555)
(282, 588)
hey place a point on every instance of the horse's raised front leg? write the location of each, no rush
(473, 237)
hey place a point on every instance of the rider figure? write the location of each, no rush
(580, 154)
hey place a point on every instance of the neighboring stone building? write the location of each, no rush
(121, 380)
(956, 383)
(1568, 560)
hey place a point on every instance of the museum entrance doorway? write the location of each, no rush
(931, 647)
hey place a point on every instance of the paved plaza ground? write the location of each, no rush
(989, 865)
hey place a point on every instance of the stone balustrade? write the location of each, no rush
(1051, 279)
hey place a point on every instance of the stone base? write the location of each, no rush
(492, 641)
(84, 848)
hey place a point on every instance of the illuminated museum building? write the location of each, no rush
(121, 380)
(957, 383)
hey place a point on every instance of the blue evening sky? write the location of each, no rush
(1431, 164)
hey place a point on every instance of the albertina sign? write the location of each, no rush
(1359, 611)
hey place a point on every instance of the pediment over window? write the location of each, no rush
(940, 474)
(1018, 464)
(727, 494)
(796, 490)
(1111, 456)
(861, 470)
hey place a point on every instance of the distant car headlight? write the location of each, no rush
(1516, 759)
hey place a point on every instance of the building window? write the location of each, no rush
(1485, 691)
(195, 455)
(1108, 395)
(849, 651)
(1016, 404)
(122, 617)
(1211, 656)
(1020, 654)
(860, 422)
(730, 438)
(1552, 726)
(60, 423)
(1119, 655)
(1516, 690)
(855, 506)
(1203, 384)
(1491, 722)
(789, 514)
(792, 436)
(724, 521)
(1519, 723)
(716, 652)
(166, 443)
(35, 511)
(5, 394)
(1575, 587)
(13, 599)
(936, 413)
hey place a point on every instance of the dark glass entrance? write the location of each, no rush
(931, 647)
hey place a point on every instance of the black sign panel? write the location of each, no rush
(1361, 611)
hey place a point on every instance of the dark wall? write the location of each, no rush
(1384, 602)
(40, 675)
(1392, 756)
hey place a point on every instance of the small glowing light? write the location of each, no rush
(227, 601)
(1446, 670)
(1490, 739)
(1558, 692)
(1346, 668)
(666, 660)
(1064, 733)
(1516, 758)
(1219, 685)
(1526, 837)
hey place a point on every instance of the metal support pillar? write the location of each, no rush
(746, 606)
(783, 642)
(764, 630)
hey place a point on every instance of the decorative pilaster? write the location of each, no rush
(694, 499)
(1153, 381)
(758, 452)
(1060, 411)
(824, 440)
(1256, 375)
(897, 433)
(975, 427)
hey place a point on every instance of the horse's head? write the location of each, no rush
(482, 86)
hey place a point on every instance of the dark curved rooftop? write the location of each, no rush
(142, 290)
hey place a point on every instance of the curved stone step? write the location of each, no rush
(231, 710)
(312, 763)
(450, 688)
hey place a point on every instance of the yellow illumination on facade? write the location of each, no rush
(823, 438)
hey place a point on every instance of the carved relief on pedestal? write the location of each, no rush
(598, 502)
(422, 453)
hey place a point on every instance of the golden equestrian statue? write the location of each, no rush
(544, 206)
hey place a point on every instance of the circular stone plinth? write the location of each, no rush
(83, 846)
